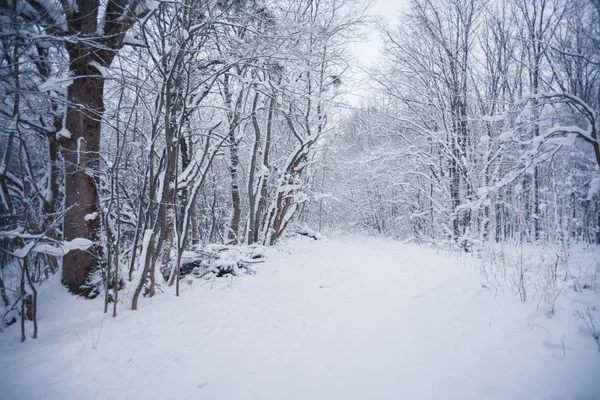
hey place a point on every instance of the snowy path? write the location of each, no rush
(342, 319)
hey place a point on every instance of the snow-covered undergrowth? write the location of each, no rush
(217, 261)
(350, 318)
(560, 278)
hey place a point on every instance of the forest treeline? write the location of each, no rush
(134, 130)
(483, 126)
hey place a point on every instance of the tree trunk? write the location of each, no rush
(264, 180)
(252, 193)
(235, 189)
(81, 153)
(82, 157)
(455, 198)
(233, 119)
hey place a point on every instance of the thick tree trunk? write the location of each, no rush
(81, 151)
(81, 155)
(284, 203)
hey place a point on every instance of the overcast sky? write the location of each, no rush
(367, 52)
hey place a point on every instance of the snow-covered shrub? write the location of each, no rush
(210, 261)
(305, 231)
(588, 324)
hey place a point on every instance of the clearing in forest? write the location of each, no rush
(350, 318)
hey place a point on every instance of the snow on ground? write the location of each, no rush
(352, 318)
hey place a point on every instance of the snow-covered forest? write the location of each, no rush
(307, 192)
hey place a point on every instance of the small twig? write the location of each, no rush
(99, 333)
(83, 344)
(531, 325)
(134, 363)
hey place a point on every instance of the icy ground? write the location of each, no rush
(339, 319)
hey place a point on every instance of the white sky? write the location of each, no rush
(390, 11)
(366, 53)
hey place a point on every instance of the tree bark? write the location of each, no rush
(252, 193)
(82, 158)
(85, 108)
(233, 119)
(264, 179)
